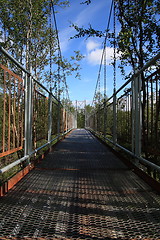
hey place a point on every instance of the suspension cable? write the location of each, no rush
(59, 56)
(105, 75)
(50, 47)
(114, 54)
(103, 52)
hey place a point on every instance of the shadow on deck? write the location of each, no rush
(81, 190)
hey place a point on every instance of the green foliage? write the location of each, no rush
(138, 39)
(89, 109)
(80, 119)
(71, 65)
(26, 31)
(28, 35)
(90, 32)
(68, 105)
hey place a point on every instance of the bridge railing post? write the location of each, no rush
(104, 119)
(85, 115)
(63, 120)
(66, 120)
(136, 116)
(28, 114)
(58, 119)
(75, 120)
(50, 116)
(114, 117)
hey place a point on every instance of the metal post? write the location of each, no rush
(28, 114)
(75, 119)
(59, 119)
(85, 114)
(114, 118)
(66, 120)
(133, 116)
(105, 119)
(63, 120)
(76, 114)
(105, 80)
(138, 121)
(50, 116)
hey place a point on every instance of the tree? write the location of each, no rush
(29, 36)
(138, 38)
(80, 118)
(71, 65)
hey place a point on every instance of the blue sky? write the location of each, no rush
(95, 14)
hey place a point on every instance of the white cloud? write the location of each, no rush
(94, 56)
(64, 38)
(82, 18)
(91, 45)
(94, 53)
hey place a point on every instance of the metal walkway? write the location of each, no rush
(80, 191)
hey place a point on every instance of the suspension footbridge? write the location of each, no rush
(81, 190)
(61, 179)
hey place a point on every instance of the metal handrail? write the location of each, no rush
(17, 162)
(28, 152)
(141, 159)
(153, 60)
(25, 70)
(136, 137)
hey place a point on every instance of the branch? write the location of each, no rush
(86, 2)
(90, 32)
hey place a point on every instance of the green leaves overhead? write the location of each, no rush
(29, 34)
(25, 27)
(71, 65)
(90, 32)
(138, 36)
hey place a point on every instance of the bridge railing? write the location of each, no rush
(31, 117)
(130, 118)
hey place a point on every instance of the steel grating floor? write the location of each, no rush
(80, 191)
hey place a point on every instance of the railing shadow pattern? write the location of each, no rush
(67, 197)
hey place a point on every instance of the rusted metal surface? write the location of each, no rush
(5, 187)
(12, 115)
(30, 117)
(40, 117)
(80, 191)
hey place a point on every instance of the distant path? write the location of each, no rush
(81, 190)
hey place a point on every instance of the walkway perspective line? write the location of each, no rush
(81, 190)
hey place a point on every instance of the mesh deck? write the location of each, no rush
(80, 191)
